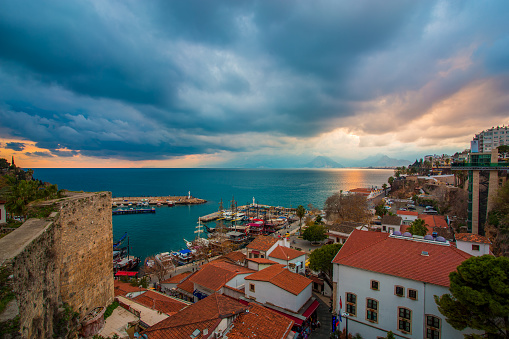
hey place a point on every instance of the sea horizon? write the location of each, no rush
(165, 230)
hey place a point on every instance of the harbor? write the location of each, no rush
(156, 201)
(133, 211)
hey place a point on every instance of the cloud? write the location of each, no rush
(15, 146)
(40, 154)
(166, 79)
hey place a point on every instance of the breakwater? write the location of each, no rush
(158, 200)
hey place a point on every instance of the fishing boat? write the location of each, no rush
(171, 203)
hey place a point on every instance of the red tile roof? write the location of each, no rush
(217, 273)
(262, 260)
(205, 314)
(407, 213)
(262, 243)
(285, 253)
(187, 285)
(279, 276)
(260, 322)
(377, 252)
(176, 279)
(434, 220)
(235, 256)
(160, 302)
(472, 238)
(122, 288)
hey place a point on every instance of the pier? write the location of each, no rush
(157, 201)
(134, 211)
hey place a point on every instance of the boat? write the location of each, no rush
(171, 203)
(165, 260)
(183, 257)
(122, 260)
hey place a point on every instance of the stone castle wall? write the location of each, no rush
(85, 252)
(66, 258)
(36, 284)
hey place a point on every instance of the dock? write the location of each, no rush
(253, 211)
(134, 211)
(158, 201)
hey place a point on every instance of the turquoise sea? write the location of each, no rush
(165, 230)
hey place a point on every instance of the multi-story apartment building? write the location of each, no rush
(492, 138)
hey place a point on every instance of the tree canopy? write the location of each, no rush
(315, 233)
(320, 260)
(498, 217)
(418, 227)
(479, 296)
(351, 207)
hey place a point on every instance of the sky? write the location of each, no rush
(229, 83)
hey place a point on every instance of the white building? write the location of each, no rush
(279, 289)
(261, 246)
(473, 244)
(407, 217)
(388, 283)
(286, 256)
(338, 233)
(259, 264)
(391, 223)
(3, 214)
(491, 138)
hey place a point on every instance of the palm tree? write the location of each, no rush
(384, 186)
(301, 212)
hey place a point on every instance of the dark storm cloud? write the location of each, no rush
(138, 80)
(15, 146)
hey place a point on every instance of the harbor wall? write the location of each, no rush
(58, 268)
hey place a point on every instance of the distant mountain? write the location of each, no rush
(322, 162)
(382, 160)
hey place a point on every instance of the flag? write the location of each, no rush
(340, 319)
(340, 303)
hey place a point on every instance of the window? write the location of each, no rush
(432, 327)
(375, 285)
(476, 247)
(251, 287)
(404, 320)
(372, 310)
(351, 304)
(412, 294)
(399, 291)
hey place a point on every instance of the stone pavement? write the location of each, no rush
(324, 317)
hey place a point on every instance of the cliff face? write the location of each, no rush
(63, 259)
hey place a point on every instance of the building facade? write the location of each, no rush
(377, 290)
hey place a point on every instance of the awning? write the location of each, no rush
(311, 309)
(255, 252)
(297, 321)
(125, 274)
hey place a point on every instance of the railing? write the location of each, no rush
(480, 165)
